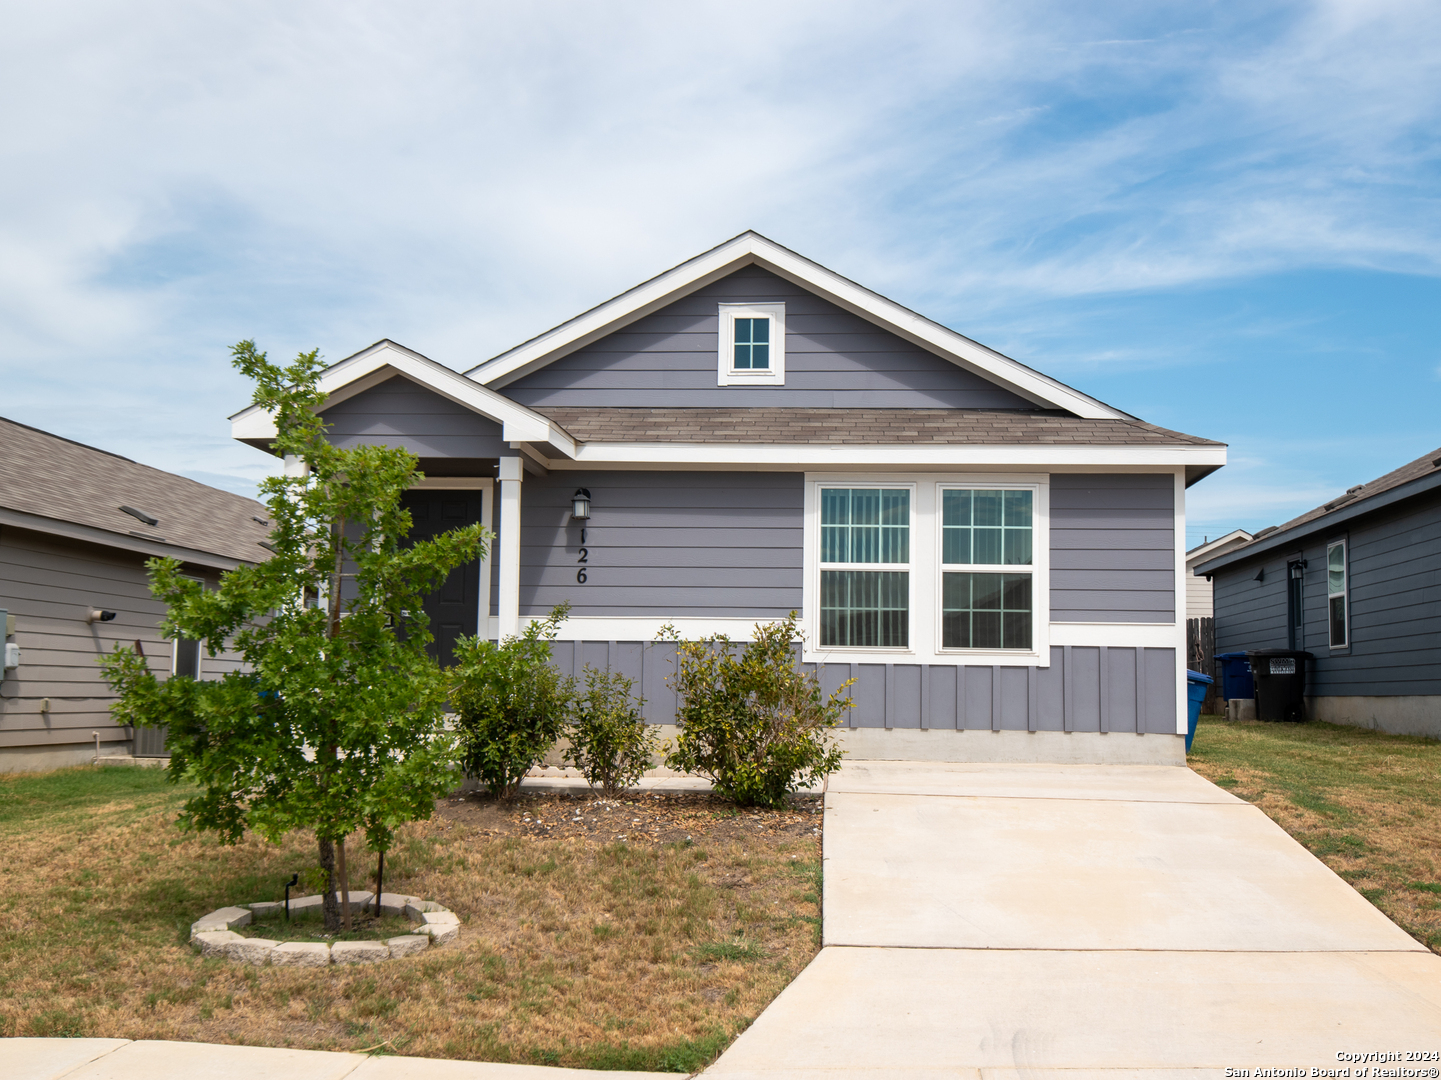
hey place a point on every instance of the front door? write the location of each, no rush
(1295, 617)
(453, 608)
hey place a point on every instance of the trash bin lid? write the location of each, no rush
(1293, 653)
(1230, 656)
(1197, 677)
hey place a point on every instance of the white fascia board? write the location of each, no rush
(1200, 551)
(751, 248)
(595, 455)
(385, 359)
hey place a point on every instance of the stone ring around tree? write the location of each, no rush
(214, 935)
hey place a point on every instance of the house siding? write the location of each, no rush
(1113, 555)
(50, 584)
(399, 412)
(833, 360)
(664, 543)
(1395, 598)
(1083, 690)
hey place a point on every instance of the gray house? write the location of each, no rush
(995, 557)
(76, 526)
(1356, 583)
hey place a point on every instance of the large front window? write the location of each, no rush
(982, 606)
(865, 567)
(1336, 593)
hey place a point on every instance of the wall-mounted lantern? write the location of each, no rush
(580, 504)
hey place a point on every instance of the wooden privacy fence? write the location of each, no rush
(1201, 656)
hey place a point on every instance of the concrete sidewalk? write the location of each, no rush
(1038, 920)
(121, 1059)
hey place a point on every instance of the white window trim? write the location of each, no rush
(775, 375)
(925, 570)
(1344, 543)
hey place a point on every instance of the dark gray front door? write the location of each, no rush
(454, 607)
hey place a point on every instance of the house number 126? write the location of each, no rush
(584, 557)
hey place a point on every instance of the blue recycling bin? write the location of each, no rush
(1236, 678)
(1196, 687)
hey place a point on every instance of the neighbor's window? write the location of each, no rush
(863, 605)
(752, 345)
(982, 605)
(1336, 592)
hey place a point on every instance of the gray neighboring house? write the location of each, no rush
(1357, 583)
(996, 558)
(1200, 596)
(69, 550)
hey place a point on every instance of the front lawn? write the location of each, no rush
(1367, 804)
(577, 947)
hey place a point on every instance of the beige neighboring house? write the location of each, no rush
(1199, 595)
(76, 527)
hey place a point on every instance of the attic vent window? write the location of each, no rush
(752, 345)
(141, 515)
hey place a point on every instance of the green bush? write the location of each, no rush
(511, 703)
(749, 720)
(610, 743)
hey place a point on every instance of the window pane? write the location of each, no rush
(987, 528)
(1338, 620)
(1336, 569)
(743, 356)
(760, 356)
(985, 611)
(865, 609)
(760, 329)
(865, 525)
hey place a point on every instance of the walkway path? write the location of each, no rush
(1037, 920)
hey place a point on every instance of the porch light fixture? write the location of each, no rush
(580, 504)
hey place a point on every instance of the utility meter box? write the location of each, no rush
(11, 650)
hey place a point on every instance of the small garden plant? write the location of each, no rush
(610, 742)
(749, 720)
(511, 702)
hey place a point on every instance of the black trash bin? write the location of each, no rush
(1280, 676)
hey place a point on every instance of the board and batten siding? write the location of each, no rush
(1394, 558)
(1113, 554)
(833, 360)
(1085, 689)
(50, 584)
(664, 544)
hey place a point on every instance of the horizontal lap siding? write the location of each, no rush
(399, 412)
(664, 544)
(1084, 689)
(49, 585)
(1113, 548)
(1395, 597)
(833, 360)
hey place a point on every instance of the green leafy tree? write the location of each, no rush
(749, 719)
(511, 703)
(610, 742)
(337, 722)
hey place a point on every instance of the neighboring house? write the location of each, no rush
(1199, 601)
(1356, 583)
(996, 559)
(76, 526)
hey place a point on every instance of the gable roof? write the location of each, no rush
(54, 485)
(383, 361)
(1204, 551)
(750, 248)
(1411, 479)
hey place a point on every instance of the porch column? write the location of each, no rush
(509, 601)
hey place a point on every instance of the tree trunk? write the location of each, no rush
(379, 882)
(344, 883)
(328, 905)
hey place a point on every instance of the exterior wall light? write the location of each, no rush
(97, 615)
(580, 504)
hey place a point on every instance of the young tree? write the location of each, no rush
(337, 722)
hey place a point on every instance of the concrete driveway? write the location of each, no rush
(1028, 920)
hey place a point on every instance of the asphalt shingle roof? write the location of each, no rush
(1424, 465)
(51, 477)
(979, 427)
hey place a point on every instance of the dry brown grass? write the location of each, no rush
(576, 948)
(1365, 803)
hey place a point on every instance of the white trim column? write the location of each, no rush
(508, 607)
(1183, 697)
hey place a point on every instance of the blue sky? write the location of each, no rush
(1222, 218)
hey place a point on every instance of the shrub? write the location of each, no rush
(610, 743)
(749, 720)
(511, 703)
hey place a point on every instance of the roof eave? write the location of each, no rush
(1340, 516)
(72, 530)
